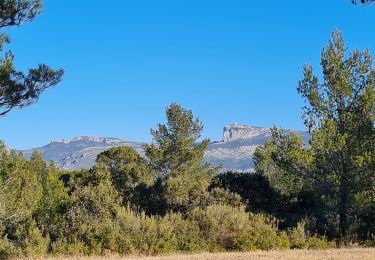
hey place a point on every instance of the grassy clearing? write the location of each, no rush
(333, 254)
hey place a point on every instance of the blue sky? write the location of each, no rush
(125, 61)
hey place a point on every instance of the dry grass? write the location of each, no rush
(333, 254)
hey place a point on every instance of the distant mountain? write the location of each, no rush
(239, 142)
(79, 152)
(234, 152)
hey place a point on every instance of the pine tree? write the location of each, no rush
(19, 89)
(177, 155)
(339, 164)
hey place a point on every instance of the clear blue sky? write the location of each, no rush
(125, 61)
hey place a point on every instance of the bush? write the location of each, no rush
(300, 239)
(297, 237)
(224, 197)
(234, 229)
(7, 248)
(182, 235)
(24, 238)
(316, 242)
(159, 235)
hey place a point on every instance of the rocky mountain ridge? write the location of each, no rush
(234, 152)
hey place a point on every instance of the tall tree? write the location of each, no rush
(340, 114)
(177, 155)
(19, 89)
(339, 165)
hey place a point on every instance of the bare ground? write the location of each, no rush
(333, 254)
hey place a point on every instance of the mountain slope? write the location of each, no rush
(79, 152)
(239, 142)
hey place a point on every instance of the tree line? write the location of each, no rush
(168, 201)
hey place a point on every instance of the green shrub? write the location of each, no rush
(182, 235)
(224, 197)
(219, 223)
(300, 239)
(283, 242)
(297, 237)
(26, 238)
(316, 242)
(7, 248)
(158, 235)
(68, 248)
(234, 229)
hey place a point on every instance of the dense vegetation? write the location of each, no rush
(166, 202)
(316, 195)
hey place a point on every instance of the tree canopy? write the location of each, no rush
(17, 88)
(177, 155)
(337, 168)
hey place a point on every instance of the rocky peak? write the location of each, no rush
(235, 132)
(97, 139)
(89, 139)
